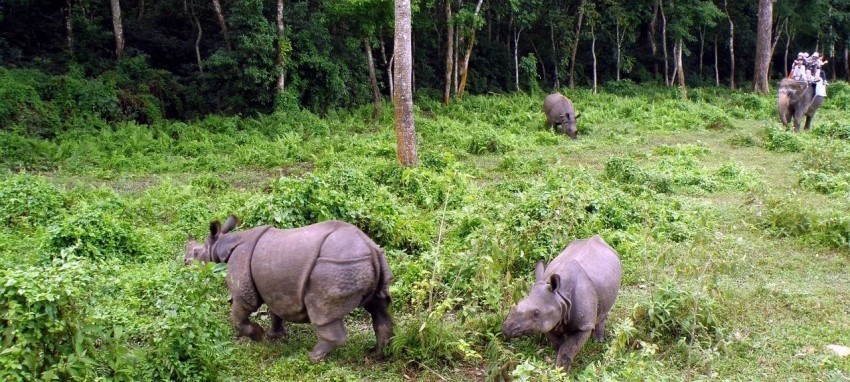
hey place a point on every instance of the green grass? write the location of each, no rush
(733, 234)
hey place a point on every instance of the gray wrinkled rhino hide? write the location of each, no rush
(316, 274)
(795, 100)
(559, 111)
(570, 299)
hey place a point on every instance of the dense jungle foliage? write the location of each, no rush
(733, 234)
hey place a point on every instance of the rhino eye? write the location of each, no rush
(536, 313)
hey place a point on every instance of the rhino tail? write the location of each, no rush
(385, 275)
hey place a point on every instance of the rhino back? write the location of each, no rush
(556, 105)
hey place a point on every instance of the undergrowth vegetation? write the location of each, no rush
(710, 204)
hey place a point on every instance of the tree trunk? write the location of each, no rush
(542, 65)
(787, 47)
(664, 42)
(680, 46)
(387, 65)
(464, 69)
(391, 74)
(68, 20)
(846, 61)
(449, 52)
(223, 24)
(777, 34)
(701, 48)
(403, 92)
(373, 79)
(141, 9)
(619, 47)
(280, 60)
(716, 69)
(731, 46)
(118, 28)
(554, 53)
(575, 44)
(516, 56)
(190, 7)
(653, 25)
(593, 53)
(763, 40)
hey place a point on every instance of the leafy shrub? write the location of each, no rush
(836, 130)
(96, 231)
(742, 140)
(486, 141)
(27, 200)
(22, 109)
(673, 313)
(45, 335)
(782, 141)
(824, 183)
(832, 157)
(787, 218)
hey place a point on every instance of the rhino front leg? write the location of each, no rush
(381, 322)
(599, 330)
(568, 350)
(331, 336)
(278, 329)
(241, 318)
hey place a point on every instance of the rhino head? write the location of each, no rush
(541, 311)
(568, 124)
(209, 251)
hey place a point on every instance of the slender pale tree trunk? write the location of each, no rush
(387, 65)
(373, 79)
(68, 19)
(777, 34)
(403, 92)
(653, 26)
(716, 66)
(576, 38)
(664, 42)
(517, 31)
(554, 53)
(118, 28)
(701, 48)
(846, 61)
(787, 48)
(280, 60)
(731, 46)
(464, 69)
(593, 52)
(189, 6)
(619, 46)
(450, 63)
(680, 46)
(223, 24)
(763, 39)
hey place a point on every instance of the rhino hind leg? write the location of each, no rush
(244, 327)
(381, 322)
(599, 330)
(278, 329)
(331, 336)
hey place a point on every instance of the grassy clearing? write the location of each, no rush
(733, 233)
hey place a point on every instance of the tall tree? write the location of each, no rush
(282, 47)
(475, 22)
(189, 7)
(576, 38)
(68, 20)
(450, 44)
(731, 45)
(117, 28)
(373, 79)
(222, 23)
(763, 47)
(403, 87)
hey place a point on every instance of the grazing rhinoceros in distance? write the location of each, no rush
(317, 274)
(559, 111)
(797, 99)
(570, 298)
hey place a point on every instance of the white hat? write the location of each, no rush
(815, 54)
(805, 54)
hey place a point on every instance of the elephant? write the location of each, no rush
(797, 99)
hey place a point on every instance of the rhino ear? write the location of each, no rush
(215, 229)
(578, 116)
(538, 271)
(555, 282)
(229, 224)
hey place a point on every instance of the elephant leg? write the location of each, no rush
(331, 336)
(278, 329)
(240, 314)
(599, 330)
(568, 350)
(381, 322)
(809, 119)
(798, 119)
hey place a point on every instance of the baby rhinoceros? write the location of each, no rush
(317, 274)
(559, 111)
(570, 298)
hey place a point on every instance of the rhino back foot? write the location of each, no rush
(599, 330)
(240, 314)
(381, 322)
(278, 329)
(331, 336)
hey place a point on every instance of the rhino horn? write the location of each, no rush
(229, 224)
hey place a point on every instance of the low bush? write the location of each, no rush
(673, 313)
(28, 201)
(96, 231)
